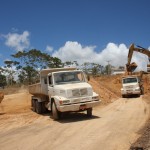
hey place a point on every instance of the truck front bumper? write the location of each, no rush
(130, 92)
(77, 107)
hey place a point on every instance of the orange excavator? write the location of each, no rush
(130, 67)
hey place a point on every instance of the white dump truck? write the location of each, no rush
(63, 90)
(132, 85)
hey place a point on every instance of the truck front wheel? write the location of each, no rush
(55, 112)
(89, 112)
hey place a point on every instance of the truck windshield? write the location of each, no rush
(68, 77)
(130, 80)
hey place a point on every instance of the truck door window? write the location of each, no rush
(50, 80)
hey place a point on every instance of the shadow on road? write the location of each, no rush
(131, 96)
(2, 113)
(71, 116)
(75, 117)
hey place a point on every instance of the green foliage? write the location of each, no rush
(37, 59)
(9, 71)
(28, 75)
(95, 70)
(107, 69)
(2, 80)
(31, 62)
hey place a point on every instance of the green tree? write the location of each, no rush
(31, 62)
(9, 70)
(107, 69)
(2, 80)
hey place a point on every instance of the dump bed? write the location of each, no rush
(38, 89)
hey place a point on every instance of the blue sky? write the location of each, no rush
(82, 30)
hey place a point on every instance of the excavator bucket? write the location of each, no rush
(131, 67)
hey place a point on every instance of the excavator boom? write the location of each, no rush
(130, 67)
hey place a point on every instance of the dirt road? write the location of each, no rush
(112, 127)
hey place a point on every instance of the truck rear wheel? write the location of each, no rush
(43, 107)
(123, 96)
(89, 112)
(38, 107)
(33, 105)
(55, 112)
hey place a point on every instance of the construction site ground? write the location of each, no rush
(117, 123)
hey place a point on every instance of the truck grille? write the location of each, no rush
(79, 92)
(129, 87)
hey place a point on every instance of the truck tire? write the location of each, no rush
(43, 108)
(33, 105)
(123, 96)
(55, 112)
(38, 107)
(89, 112)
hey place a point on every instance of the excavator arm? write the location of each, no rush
(130, 67)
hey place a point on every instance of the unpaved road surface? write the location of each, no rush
(113, 127)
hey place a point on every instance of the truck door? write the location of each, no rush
(50, 86)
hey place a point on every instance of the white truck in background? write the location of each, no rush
(62, 90)
(132, 85)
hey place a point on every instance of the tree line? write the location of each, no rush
(25, 66)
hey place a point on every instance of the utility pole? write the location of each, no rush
(108, 66)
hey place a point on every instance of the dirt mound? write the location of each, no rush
(110, 84)
(106, 95)
(113, 83)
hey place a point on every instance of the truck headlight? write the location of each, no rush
(95, 98)
(122, 89)
(62, 102)
(137, 88)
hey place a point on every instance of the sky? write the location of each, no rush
(76, 30)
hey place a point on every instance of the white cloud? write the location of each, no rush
(73, 51)
(17, 41)
(7, 59)
(116, 54)
(49, 48)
